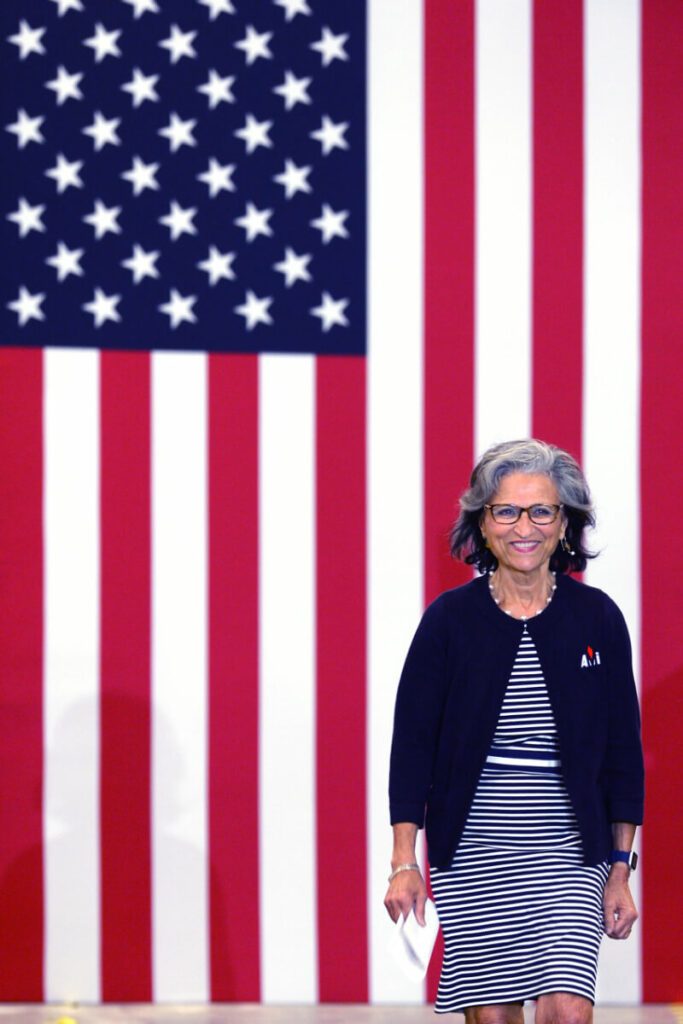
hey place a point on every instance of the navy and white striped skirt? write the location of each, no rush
(520, 914)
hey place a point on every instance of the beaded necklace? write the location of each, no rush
(523, 618)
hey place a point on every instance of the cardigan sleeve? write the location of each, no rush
(417, 717)
(623, 775)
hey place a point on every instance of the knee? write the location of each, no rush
(568, 1017)
(511, 1014)
(565, 1011)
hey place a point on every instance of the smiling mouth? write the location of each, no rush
(524, 545)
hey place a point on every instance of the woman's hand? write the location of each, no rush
(406, 890)
(619, 908)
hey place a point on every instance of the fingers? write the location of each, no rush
(405, 893)
(619, 920)
(420, 909)
(619, 909)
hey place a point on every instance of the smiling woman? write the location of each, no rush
(524, 752)
(523, 546)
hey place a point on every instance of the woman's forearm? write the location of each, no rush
(405, 836)
(623, 834)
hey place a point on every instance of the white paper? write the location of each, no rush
(412, 943)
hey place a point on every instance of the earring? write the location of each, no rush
(566, 547)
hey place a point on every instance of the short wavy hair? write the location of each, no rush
(525, 456)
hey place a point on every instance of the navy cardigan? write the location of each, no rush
(451, 691)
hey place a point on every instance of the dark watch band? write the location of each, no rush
(629, 857)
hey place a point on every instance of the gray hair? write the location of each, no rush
(525, 456)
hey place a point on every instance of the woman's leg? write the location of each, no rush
(563, 1008)
(502, 1013)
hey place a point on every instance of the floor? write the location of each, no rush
(235, 1013)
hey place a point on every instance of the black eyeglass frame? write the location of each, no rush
(511, 522)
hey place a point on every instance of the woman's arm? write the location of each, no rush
(407, 888)
(618, 906)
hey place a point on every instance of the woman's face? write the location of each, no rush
(523, 546)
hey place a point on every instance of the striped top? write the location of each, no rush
(517, 803)
(525, 723)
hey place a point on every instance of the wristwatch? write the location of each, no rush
(629, 857)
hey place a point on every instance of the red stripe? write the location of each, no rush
(662, 401)
(341, 680)
(449, 295)
(21, 678)
(233, 678)
(448, 280)
(558, 223)
(125, 677)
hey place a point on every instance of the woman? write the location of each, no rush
(517, 730)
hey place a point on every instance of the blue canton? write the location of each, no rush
(184, 174)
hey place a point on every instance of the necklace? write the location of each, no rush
(523, 618)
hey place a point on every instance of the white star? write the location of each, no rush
(331, 311)
(331, 47)
(295, 268)
(68, 5)
(255, 222)
(255, 310)
(27, 39)
(179, 308)
(255, 133)
(218, 265)
(179, 133)
(255, 44)
(26, 129)
(219, 90)
(330, 135)
(66, 173)
(142, 87)
(66, 261)
(293, 90)
(27, 306)
(103, 219)
(66, 85)
(179, 220)
(179, 44)
(103, 131)
(103, 307)
(294, 179)
(218, 7)
(103, 42)
(141, 264)
(143, 6)
(218, 177)
(141, 176)
(27, 217)
(331, 223)
(293, 7)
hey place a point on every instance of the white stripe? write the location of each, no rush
(179, 677)
(533, 762)
(71, 678)
(287, 679)
(611, 358)
(395, 270)
(503, 76)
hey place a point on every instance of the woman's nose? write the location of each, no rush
(524, 525)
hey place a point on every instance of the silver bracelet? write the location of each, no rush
(403, 867)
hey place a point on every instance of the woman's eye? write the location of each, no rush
(541, 511)
(506, 512)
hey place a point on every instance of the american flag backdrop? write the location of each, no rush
(275, 272)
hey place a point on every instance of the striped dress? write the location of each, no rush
(519, 912)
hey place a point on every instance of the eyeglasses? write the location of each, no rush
(507, 515)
